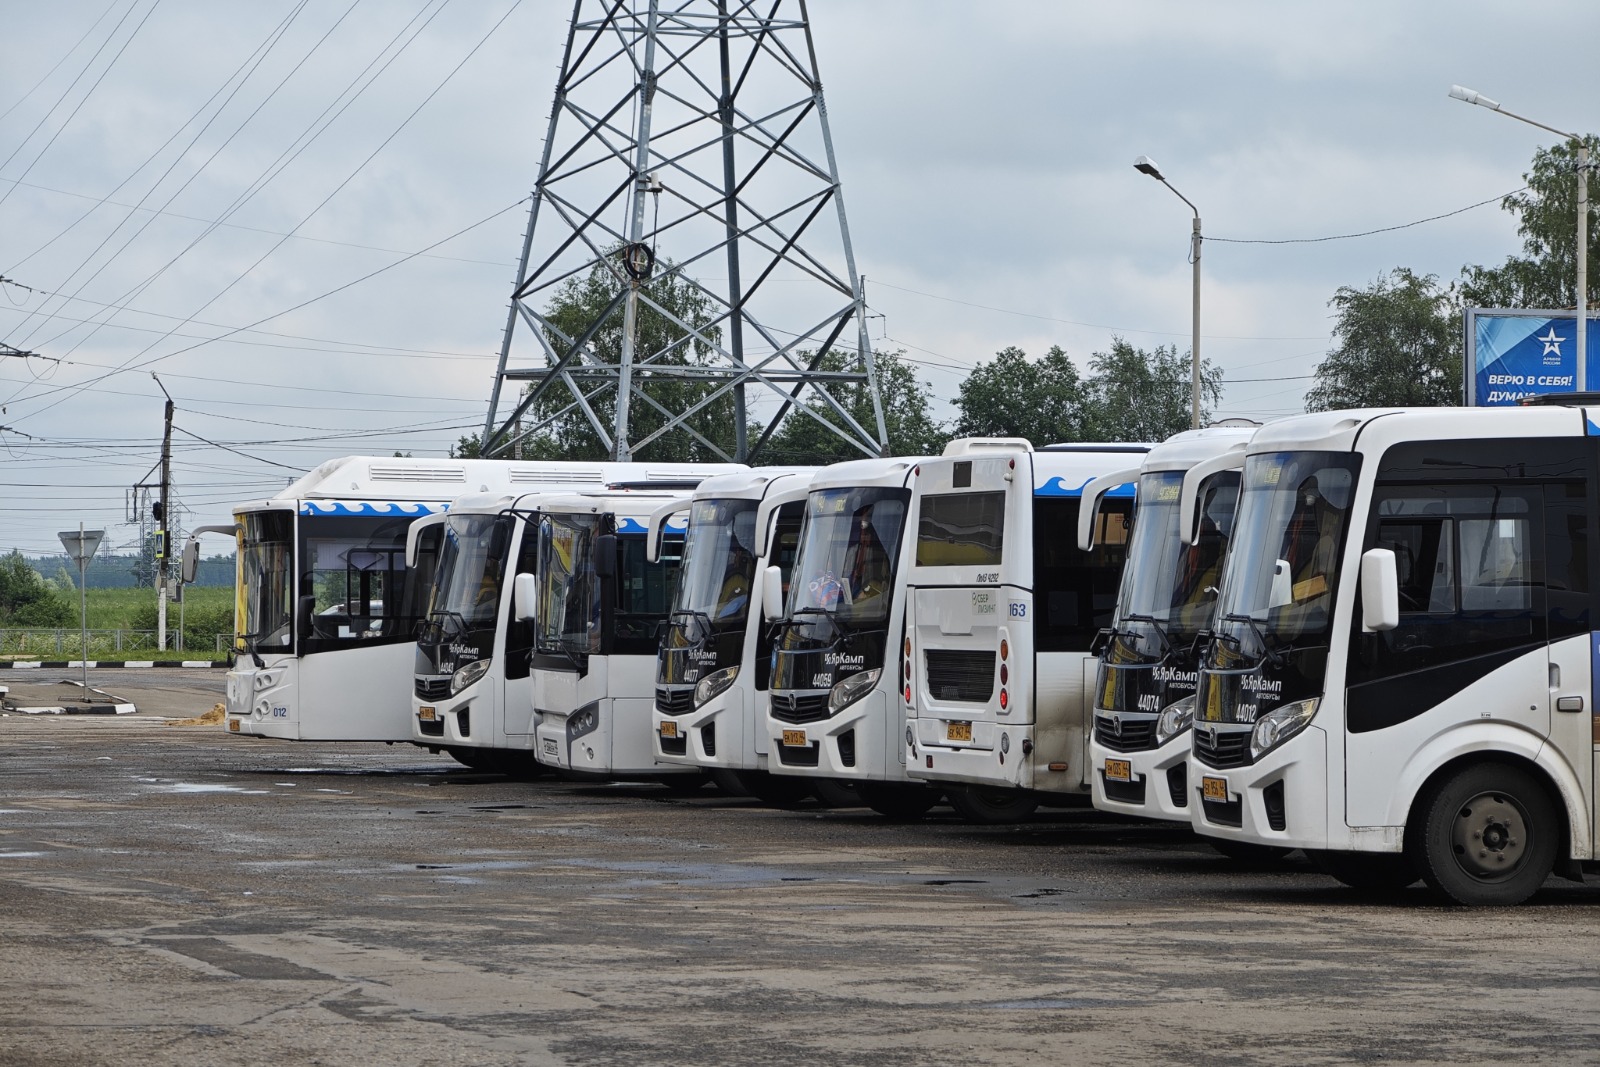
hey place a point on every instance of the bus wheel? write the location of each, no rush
(897, 800)
(1365, 870)
(1486, 835)
(836, 793)
(992, 807)
(686, 785)
(1248, 851)
(728, 781)
(775, 790)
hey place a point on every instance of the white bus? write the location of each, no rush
(1003, 607)
(326, 609)
(715, 660)
(472, 694)
(833, 710)
(1401, 676)
(599, 607)
(1148, 669)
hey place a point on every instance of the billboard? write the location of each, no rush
(1513, 354)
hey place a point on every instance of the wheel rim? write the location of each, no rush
(1490, 836)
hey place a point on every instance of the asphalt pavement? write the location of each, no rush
(176, 895)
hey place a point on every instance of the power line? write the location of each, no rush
(1365, 233)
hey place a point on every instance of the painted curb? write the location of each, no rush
(73, 664)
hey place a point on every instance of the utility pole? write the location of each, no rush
(162, 511)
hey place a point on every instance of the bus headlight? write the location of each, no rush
(714, 683)
(1280, 724)
(467, 675)
(1175, 718)
(852, 689)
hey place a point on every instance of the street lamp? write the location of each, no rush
(1458, 92)
(1146, 165)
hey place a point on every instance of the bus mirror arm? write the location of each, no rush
(1380, 591)
(1089, 503)
(1193, 479)
(1101, 640)
(657, 528)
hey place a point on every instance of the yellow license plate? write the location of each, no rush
(958, 731)
(1118, 770)
(428, 714)
(1214, 788)
(669, 729)
(233, 724)
(794, 738)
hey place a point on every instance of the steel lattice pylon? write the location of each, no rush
(688, 138)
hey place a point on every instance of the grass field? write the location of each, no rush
(206, 612)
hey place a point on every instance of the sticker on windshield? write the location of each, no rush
(984, 603)
(826, 590)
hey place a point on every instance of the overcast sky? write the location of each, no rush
(985, 149)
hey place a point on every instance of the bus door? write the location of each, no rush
(1493, 562)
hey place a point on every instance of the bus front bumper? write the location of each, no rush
(1281, 799)
(1152, 783)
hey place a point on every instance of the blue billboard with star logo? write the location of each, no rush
(1515, 354)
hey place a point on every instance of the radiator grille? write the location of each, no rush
(1222, 749)
(674, 701)
(799, 707)
(431, 688)
(960, 674)
(1125, 734)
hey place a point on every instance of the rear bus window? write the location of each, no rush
(961, 530)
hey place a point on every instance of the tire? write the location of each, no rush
(1377, 871)
(728, 781)
(775, 790)
(1487, 835)
(897, 800)
(1248, 851)
(992, 807)
(686, 785)
(836, 793)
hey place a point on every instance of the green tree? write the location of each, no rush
(1134, 395)
(468, 447)
(1010, 396)
(1397, 343)
(1545, 275)
(907, 416)
(27, 599)
(576, 304)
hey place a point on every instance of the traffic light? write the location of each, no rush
(158, 512)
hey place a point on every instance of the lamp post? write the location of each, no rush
(1146, 165)
(1469, 96)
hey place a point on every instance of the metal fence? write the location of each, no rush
(103, 644)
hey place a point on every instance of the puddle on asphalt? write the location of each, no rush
(5, 855)
(471, 865)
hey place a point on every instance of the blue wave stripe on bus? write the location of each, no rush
(635, 526)
(1591, 428)
(365, 507)
(1057, 487)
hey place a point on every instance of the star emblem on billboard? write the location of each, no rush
(1551, 342)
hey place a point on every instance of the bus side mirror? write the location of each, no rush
(1380, 591)
(525, 597)
(772, 593)
(605, 555)
(303, 614)
(1282, 587)
(190, 564)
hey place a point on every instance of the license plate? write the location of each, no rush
(233, 725)
(1118, 770)
(549, 746)
(426, 714)
(1214, 788)
(669, 729)
(794, 738)
(958, 731)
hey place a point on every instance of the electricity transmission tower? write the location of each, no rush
(688, 152)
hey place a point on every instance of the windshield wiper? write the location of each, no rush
(250, 647)
(1155, 624)
(1268, 653)
(699, 616)
(821, 613)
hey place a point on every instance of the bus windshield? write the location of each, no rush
(1282, 573)
(849, 549)
(1170, 588)
(569, 597)
(719, 569)
(266, 572)
(470, 572)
